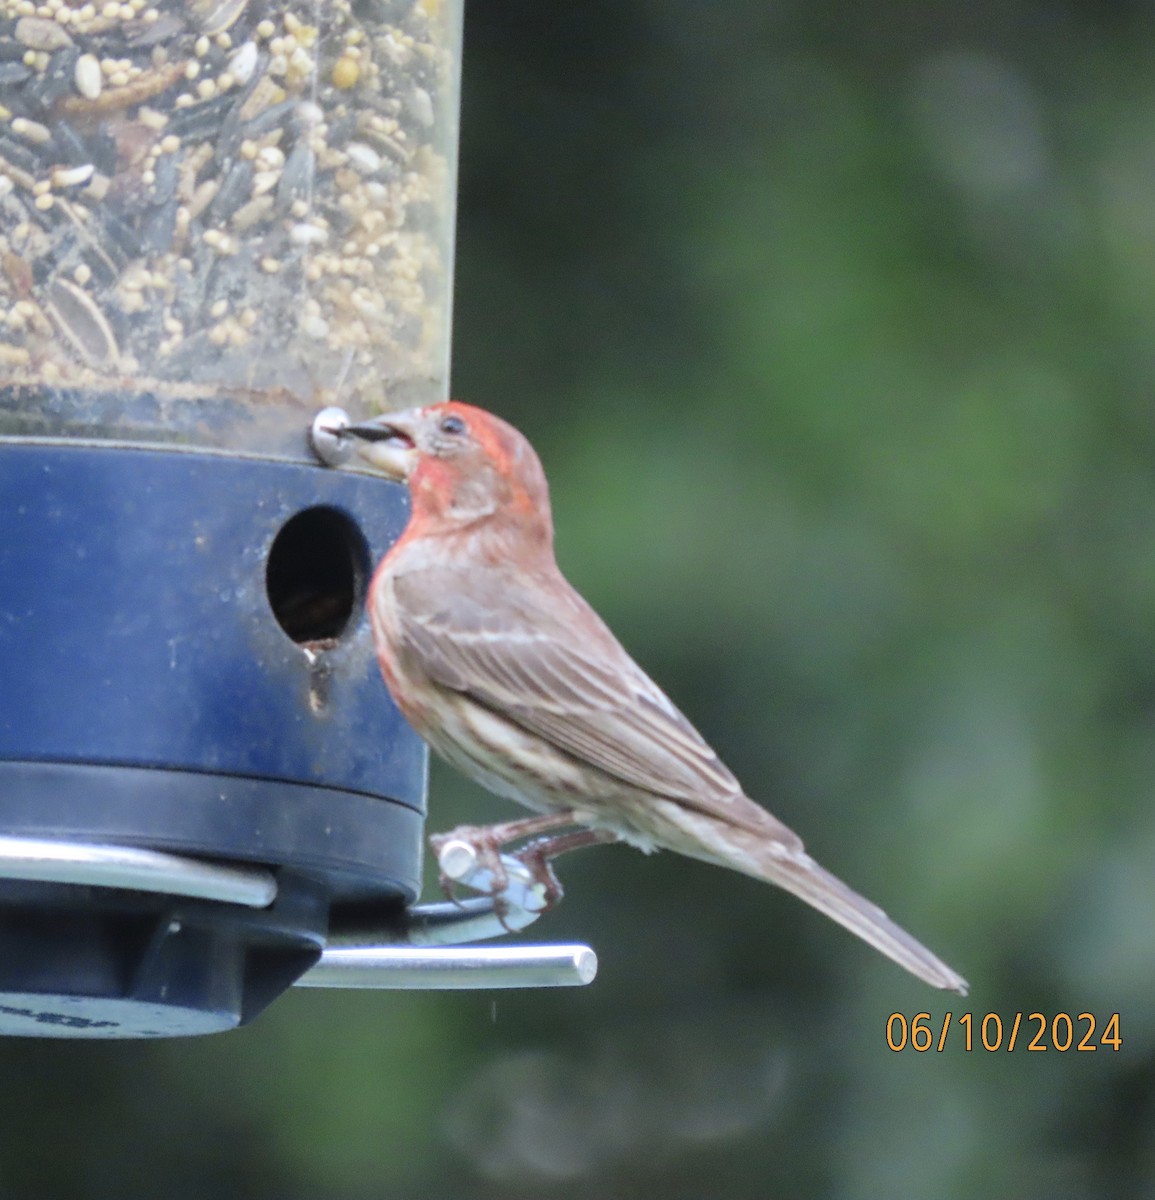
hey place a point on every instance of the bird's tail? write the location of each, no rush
(797, 872)
(785, 862)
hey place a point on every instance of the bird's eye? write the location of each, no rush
(452, 425)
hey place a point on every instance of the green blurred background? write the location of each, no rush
(835, 328)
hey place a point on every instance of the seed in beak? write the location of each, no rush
(380, 432)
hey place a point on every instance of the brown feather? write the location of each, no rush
(493, 635)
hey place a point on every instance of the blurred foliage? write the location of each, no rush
(833, 325)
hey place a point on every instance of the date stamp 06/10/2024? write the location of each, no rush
(992, 1033)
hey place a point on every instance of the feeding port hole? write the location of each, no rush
(317, 574)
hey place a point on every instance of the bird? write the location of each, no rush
(508, 674)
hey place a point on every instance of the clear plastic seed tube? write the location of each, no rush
(217, 216)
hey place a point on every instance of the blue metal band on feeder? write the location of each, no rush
(201, 613)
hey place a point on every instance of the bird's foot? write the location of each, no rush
(471, 855)
(474, 851)
(496, 836)
(466, 851)
(537, 856)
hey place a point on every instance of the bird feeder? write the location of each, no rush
(216, 217)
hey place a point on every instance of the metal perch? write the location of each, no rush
(417, 947)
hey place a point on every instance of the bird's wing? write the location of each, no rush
(534, 652)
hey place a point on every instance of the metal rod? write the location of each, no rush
(396, 967)
(446, 923)
(415, 953)
(420, 947)
(45, 861)
(450, 924)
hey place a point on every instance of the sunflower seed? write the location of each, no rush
(235, 189)
(88, 76)
(66, 177)
(39, 33)
(216, 16)
(243, 63)
(12, 73)
(31, 131)
(296, 182)
(78, 318)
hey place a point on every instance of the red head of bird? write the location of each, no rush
(467, 471)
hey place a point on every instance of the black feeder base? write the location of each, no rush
(188, 669)
(87, 962)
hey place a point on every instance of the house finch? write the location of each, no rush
(511, 676)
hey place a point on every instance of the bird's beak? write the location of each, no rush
(387, 443)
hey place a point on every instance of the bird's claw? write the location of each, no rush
(471, 855)
(535, 857)
(488, 850)
(449, 889)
